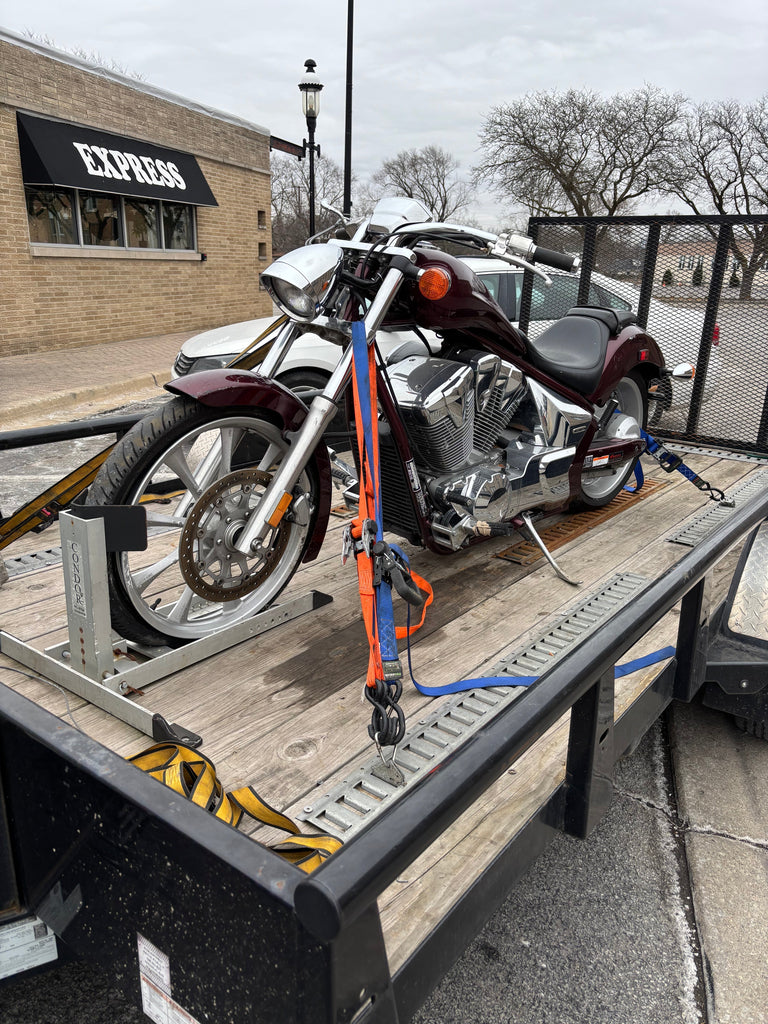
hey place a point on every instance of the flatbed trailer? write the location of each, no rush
(206, 923)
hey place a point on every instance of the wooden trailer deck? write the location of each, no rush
(283, 712)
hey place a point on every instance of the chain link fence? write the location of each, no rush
(699, 285)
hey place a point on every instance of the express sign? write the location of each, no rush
(101, 162)
(57, 153)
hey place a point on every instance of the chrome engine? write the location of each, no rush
(455, 411)
(477, 465)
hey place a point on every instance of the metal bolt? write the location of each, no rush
(308, 810)
(744, 684)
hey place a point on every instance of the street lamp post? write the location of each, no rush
(310, 87)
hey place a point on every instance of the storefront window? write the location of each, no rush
(100, 219)
(107, 220)
(50, 216)
(142, 224)
(178, 226)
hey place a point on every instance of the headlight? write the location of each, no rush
(185, 365)
(301, 281)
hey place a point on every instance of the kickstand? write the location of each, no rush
(528, 524)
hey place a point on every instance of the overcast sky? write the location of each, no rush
(424, 72)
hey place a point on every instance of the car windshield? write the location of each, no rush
(502, 291)
(554, 302)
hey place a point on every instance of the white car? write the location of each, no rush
(311, 360)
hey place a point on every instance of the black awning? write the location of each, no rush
(57, 153)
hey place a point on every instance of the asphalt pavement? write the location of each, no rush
(660, 917)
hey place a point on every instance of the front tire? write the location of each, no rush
(302, 382)
(599, 487)
(199, 473)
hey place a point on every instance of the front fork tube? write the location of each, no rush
(277, 497)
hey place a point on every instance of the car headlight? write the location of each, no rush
(185, 365)
(301, 281)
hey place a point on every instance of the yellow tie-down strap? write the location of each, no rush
(193, 775)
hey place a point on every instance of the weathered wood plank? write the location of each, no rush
(283, 712)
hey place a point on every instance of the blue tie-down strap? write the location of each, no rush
(385, 620)
(360, 357)
(670, 462)
(475, 684)
(639, 479)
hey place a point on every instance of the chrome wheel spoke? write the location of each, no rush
(182, 608)
(230, 438)
(272, 452)
(141, 578)
(176, 461)
(158, 519)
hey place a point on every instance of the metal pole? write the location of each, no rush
(311, 130)
(347, 206)
(649, 272)
(710, 316)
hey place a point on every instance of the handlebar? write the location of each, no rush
(519, 246)
(558, 260)
(526, 248)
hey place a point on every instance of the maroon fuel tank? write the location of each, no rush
(241, 389)
(468, 304)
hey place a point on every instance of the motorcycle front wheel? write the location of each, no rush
(200, 474)
(599, 487)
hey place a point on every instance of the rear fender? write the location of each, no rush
(226, 389)
(633, 349)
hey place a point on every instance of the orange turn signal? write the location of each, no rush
(434, 283)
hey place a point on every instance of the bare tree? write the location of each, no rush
(724, 169)
(429, 174)
(576, 152)
(290, 198)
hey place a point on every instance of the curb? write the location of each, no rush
(121, 391)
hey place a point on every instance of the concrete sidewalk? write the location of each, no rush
(73, 383)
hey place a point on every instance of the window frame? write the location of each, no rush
(79, 243)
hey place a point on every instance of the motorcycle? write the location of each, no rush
(475, 441)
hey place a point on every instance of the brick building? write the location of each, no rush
(125, 211)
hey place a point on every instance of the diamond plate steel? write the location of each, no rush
(355, 802)
(748, 615)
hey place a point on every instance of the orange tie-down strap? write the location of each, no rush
(193, 775)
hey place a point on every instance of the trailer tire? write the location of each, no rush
(752, 726)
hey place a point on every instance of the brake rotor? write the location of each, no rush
(210, 563)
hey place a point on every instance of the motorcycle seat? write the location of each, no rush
(615, 319)
(573, 349)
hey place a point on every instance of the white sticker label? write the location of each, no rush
(25, 944)
(155, 979)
